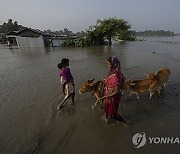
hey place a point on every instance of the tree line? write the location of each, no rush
(10, 26)
(100, 34)
(149, 33)
(103, 32)
(64, 32)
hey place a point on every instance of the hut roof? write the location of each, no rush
(37, 31)
(12, 33)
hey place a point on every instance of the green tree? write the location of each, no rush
(109, 28)
(16, 26)
(10, 26)
(67, 32)
(94, 36)
(103, 32)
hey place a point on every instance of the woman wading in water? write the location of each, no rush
(113, 87)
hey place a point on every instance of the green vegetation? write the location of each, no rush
(177, 34)
(10, 26)
(100, 34)
(103, 32)
(150, 33)
(79, 42)
(113, 27)
(65, 32)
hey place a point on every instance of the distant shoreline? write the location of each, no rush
(157, 36)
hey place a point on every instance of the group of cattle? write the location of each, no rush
(152, 83)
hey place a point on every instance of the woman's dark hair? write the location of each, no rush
(115, 64)
(60, 65)
(65, 61)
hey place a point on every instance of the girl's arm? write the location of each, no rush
(62, 80)
(63, 84)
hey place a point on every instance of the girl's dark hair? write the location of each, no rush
(110, 59)
(60, 65)
(64, 61)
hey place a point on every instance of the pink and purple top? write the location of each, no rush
(113, 80)
(66, 74)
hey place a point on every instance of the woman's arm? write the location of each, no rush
(114, 92)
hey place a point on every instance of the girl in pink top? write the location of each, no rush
(66, 79)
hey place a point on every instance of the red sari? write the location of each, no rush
(111, 104)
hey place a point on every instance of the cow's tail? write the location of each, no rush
(123, 79)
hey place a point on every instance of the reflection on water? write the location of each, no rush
(30, 92)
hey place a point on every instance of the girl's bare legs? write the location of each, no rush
(65, 99)
(72, 96)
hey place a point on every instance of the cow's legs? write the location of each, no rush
(94, 106)
(130, 93)
(164, 85)
(137, 95)
(101, 104)
(159, 92)
(151, 94)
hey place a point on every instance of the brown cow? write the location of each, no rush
(161, 77)
(96, 88)
(139, 86)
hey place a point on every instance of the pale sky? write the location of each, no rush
(78, 15)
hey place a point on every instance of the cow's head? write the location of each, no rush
(127, 84)
(87, 86)
(150, 76)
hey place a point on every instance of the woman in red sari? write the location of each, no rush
(112, 94)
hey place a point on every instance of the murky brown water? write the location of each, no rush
(30, 92)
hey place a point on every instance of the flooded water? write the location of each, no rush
(30, 93)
